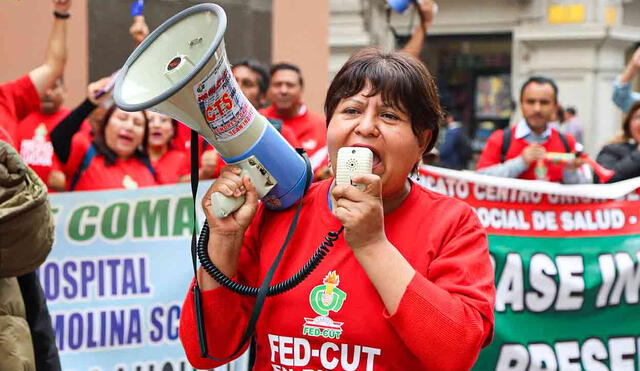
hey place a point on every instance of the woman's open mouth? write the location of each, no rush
(125, 137)
(377, 160)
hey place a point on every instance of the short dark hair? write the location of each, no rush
(542, 81)
(260, 69)
(287, 66)
(403, 81)
(571, 110)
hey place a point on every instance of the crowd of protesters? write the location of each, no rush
(98, 146)
(534, 148)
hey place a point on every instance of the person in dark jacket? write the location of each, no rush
(623, 154)
(455, 151)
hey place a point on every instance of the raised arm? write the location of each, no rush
(139, 29)
(623, 97)
(45, 75)
(62, 134)
(632, 68)
(426, 10)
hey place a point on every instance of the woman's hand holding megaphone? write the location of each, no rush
(226, 234)
(231, 184)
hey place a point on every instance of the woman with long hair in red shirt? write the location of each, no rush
(116, 158)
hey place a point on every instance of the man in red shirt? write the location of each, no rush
(522, 154)
(285, 93)
(253, 79)
(33, 142)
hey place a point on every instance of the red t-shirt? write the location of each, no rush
(17, 99)
(124, 174)
(33, 142)
(493, 150)
(309, 128)
(290, 136)
(171, 166)
(444, 317)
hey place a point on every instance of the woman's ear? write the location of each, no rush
(424, 139)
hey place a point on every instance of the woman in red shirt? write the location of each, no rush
(119, 160)
(407, 286)
(116, 158)
(170, 164)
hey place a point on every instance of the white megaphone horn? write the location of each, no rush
(181, 70)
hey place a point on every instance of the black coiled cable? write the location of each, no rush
(295, 280)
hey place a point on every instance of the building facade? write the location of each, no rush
(481, 51)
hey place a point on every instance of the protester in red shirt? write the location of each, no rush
(18, 99)
(33, 141)
(408, 285)
(253, 79)
(522, 154)
(171, 165)
(115, 158)
(285, 93)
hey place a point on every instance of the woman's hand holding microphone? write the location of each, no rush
(361, 212)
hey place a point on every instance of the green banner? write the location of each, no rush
(565, 304)
(566, 270)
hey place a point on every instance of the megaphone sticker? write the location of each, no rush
(226, 112)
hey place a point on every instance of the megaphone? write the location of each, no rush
(603, 173)
(181, 70)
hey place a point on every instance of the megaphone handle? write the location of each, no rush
(223, 206)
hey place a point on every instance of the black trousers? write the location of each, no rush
(42, 335)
